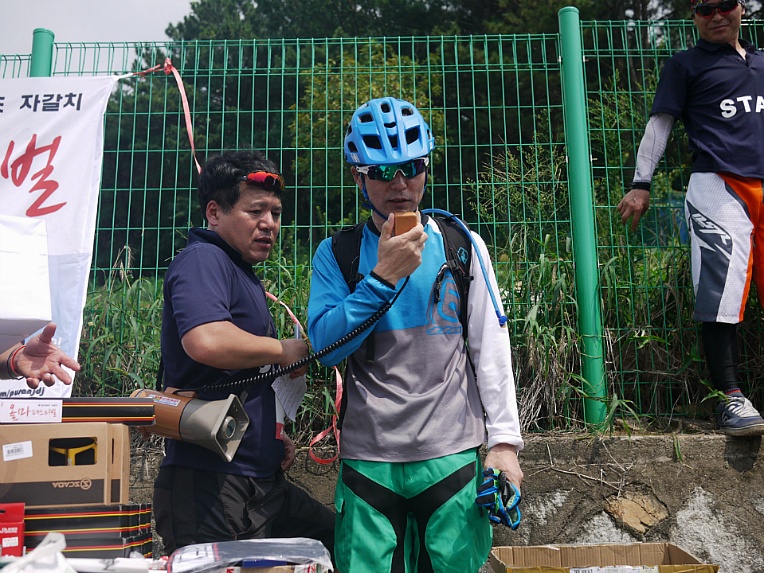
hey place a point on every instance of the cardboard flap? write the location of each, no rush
(666, 557)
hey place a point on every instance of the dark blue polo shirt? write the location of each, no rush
(208, 282)
(720, 98)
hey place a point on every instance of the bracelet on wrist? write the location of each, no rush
(9, 363)
(644, 185)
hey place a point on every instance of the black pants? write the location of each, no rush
(195, 506)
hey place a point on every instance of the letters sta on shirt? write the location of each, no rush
(729, 106)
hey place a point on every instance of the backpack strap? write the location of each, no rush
(346, 246)
(458, 249)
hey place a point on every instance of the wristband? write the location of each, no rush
(644, 185)
(9, 363)
(383, 281)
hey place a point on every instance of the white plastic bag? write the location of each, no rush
(45, 558)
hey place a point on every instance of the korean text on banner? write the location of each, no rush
(24, 303)
(51, 151)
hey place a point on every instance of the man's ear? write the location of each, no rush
(212, 213)
(357, 177)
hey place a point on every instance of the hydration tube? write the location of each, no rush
(271, 375)
(499, 314)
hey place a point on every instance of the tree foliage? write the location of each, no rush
(246, 19)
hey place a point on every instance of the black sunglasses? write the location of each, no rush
(265, 180)
(707, 10)
(387, 172)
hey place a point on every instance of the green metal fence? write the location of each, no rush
(496, 106)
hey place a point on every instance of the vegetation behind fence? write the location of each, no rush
(495, 106)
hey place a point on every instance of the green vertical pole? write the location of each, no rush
(582, 215)
(42, 53)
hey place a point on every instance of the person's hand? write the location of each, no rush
(399, 256)
(290, 453)
(294, 349)
(633, 205)
(42, 361)
(503, 458)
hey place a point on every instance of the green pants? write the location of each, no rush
(411, 517)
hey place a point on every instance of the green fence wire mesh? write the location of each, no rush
(495, 105)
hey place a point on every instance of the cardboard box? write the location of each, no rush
(100, 530)
(124, 517)
(618, 558)
(32, 456)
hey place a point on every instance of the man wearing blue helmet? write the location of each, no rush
(417, 406)
(717, 89)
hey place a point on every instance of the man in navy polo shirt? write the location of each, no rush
(215, 325)
(717, 90)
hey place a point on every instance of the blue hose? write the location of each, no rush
(501, 316)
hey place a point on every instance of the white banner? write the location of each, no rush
(51, 150)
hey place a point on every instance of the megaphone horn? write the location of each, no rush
(217, 425)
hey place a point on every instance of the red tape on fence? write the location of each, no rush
(168, 69)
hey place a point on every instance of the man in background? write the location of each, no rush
(717, 90)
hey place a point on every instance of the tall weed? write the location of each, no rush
(119, 347)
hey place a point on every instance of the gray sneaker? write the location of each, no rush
(738, 417)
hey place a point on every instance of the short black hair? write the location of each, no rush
(221, 176)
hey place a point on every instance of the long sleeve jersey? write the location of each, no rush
(411, 393)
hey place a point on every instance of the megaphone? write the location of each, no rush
(217, 425)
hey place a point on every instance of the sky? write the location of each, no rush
(87, 21)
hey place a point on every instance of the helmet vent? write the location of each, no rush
(352, 147)
(372, 142)
(407, 111)
(393, 141)
(412, 135)
(365, 118)
(385, 107)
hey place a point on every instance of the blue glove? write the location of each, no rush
(500, 498)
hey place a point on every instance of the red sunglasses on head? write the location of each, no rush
(265, 180)
(707, 10)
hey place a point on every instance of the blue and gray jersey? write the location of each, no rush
(411, 393)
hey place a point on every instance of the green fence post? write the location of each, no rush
(42, 53)
(582, 216)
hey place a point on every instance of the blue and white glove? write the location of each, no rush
(500, 497)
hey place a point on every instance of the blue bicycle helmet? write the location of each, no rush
(387, 131)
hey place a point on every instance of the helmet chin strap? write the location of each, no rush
(369, 205)
(367, 201)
